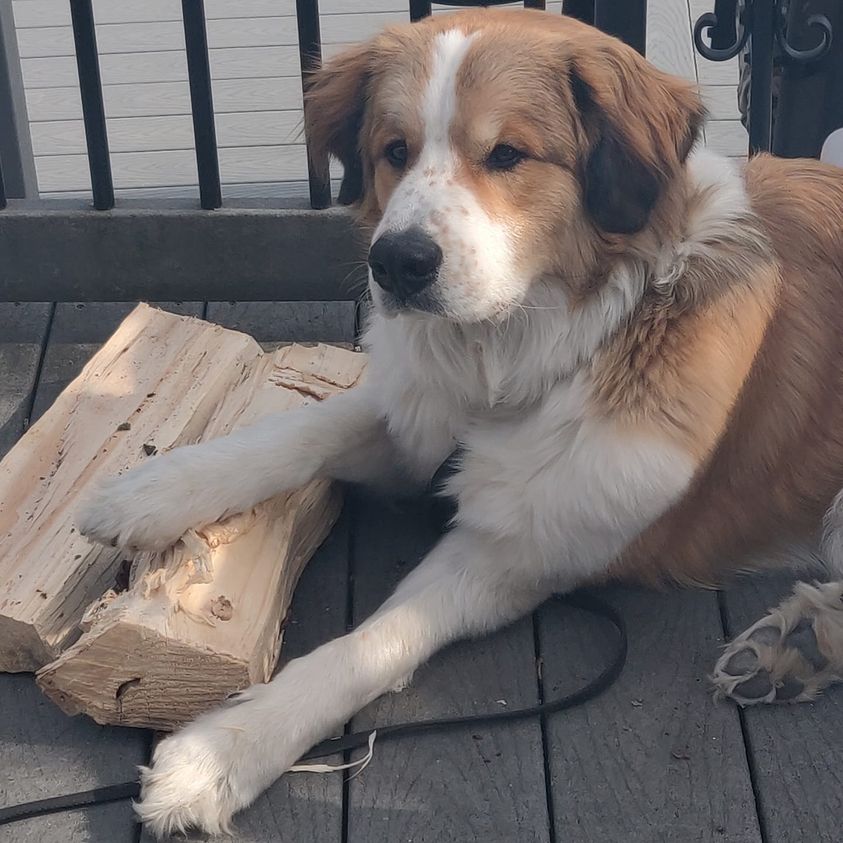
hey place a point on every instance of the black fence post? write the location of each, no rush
(761, 78)
(625, 19)
(310, 58)
(201, 103)
(810, 97)
(93, 111)
(420, 9)
(580, 9)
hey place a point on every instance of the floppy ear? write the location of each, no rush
(334, 104)
(640, 124)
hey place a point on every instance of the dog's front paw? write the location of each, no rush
(202, 776)
(189, 786)
(147, 508)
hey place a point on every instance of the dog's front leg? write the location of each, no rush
(217, 765)
(151, 506)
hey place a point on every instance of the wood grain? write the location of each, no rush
(796, 750)
(157, 652)
(50, 574)
(474, 785)
(42, 751)
(271, 323)
(21, 344)
(300, 806)
(653, 758)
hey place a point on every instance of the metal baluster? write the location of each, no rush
(420, 9)
(93, 112)
(310, 57)
(201, 103)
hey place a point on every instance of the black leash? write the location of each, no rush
(583, 601)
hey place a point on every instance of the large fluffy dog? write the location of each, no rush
(638, 347)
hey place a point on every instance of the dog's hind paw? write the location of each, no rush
(791, 654)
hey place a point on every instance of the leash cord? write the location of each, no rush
(582, 601)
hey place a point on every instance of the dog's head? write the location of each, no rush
(492, 149)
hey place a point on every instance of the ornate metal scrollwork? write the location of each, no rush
(817, 22)
(708, 22)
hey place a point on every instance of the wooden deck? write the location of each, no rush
(256, 87)
(654, 759)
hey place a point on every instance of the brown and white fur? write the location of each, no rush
(637, 346)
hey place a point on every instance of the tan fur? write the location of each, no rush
(739, 359)
(677, 370)
(779, 462)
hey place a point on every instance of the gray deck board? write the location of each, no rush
(305, 806)
(301, 806)
(274, 322)
(22, 337)
(476, 785)
(77, 333)
(654, 758)
(796, 750)
(42, 751)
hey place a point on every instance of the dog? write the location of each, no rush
(636, 346)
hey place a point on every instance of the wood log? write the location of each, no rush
(158, 379)
(165, 635)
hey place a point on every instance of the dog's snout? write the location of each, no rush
(405, 262)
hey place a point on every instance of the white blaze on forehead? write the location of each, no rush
(477, 277)
(440, 97)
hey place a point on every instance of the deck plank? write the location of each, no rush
(274, 322)
(475, 785)
(654, 758)
(43, 752)
(24, 334)
(300, 806)
(78, 332)
(796, 750)
(304, 806)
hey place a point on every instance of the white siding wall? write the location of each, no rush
(256, 84)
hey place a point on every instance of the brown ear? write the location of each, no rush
(641, 124)
(334, 104)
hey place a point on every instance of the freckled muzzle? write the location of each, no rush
(406, 262)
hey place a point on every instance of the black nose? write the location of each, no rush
(405, 262)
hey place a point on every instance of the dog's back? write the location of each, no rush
(779, 465)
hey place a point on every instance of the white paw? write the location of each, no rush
(200, 777)
(147, 508)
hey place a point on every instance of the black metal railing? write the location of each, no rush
(201, 103)
(310, 58)
(759, 32)
(624, 18)
(93, 110)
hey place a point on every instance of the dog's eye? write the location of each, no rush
(396, 154)
(504, 157)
